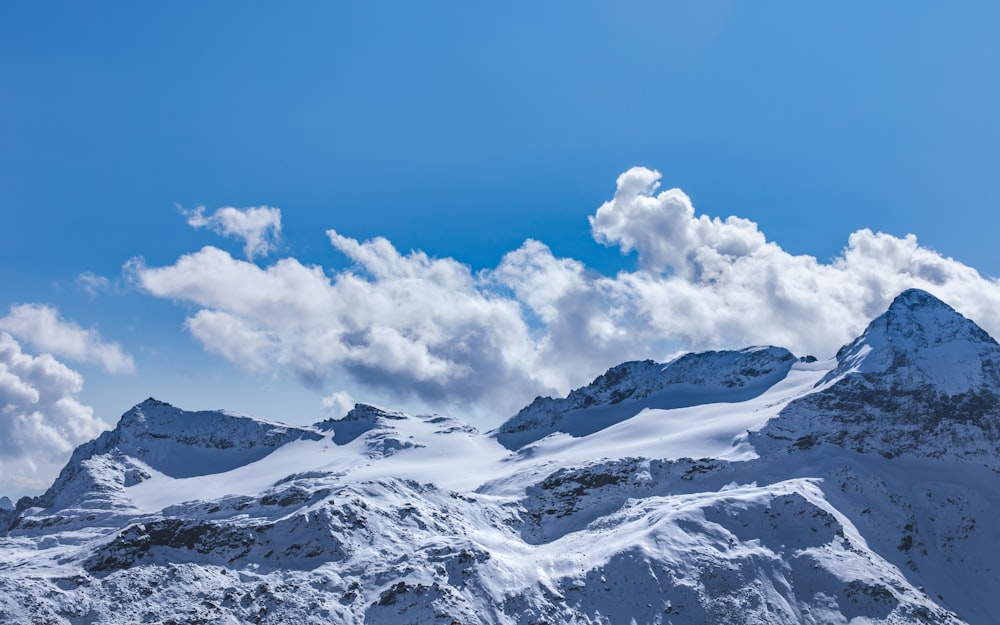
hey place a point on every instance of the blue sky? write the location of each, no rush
(461, 131)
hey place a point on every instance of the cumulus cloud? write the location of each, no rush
(664, 231)
(709, 283)
(41, 419)
(43, 327)
(259, 227)
(409, 323)
(536, 323)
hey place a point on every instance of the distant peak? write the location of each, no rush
(916, 296)
(917, 299)
(366, 412)
(152, 401)
(920, 339)
(362, 415)
(148, 404)
(361, 419)
(923, 319)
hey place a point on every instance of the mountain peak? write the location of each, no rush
(923, 319)
(921, 380)
(137, 415)
(368, 412)
(361, 419)
(913, 299)
(920, 340)
(183, 443)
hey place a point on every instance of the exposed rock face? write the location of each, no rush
(864, 493)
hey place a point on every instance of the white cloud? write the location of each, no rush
(583, 322)
(338, 403)
(259, 227)
(233, 338)
(42, 326)
(92, 283)
(410, 323)
(41, 420)
(541, 324)
(727, 286)
(664, 231)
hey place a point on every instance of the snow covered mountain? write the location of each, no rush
(692, 379)
(724, 487)
(921, 381)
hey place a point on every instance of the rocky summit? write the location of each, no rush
(749, 487)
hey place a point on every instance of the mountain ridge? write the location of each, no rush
(745, 486)
(734, 375)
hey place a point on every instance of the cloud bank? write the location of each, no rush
(434, 329)
(42, 326)
(259, 227)
(41, 420)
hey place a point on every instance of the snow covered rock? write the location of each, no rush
(375, 426)
(181, 443)
(625, 390)
(920, 341)
(152, 438)
(921, 380)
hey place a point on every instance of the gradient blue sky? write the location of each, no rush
(462, 129)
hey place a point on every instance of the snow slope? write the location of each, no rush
(724, 487)
(625, 390)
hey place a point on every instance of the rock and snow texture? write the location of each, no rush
(921, 381)
(625, 390)
(725, 487)
(921, 341)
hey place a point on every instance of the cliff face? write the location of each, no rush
(723, 487)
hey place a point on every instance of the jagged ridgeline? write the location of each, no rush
(751, 486)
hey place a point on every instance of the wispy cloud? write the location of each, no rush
(93, 284)
(337, 403)
(537, 323)
(259, 227)
(43, 327)
(42, 419)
